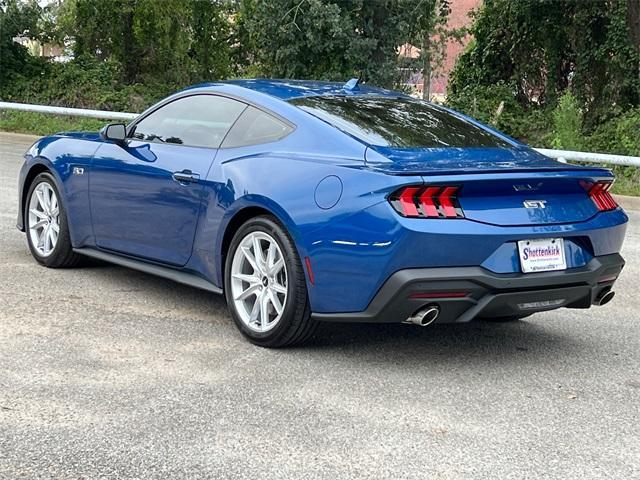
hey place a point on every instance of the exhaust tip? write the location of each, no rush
(425, 316)
(605, 297)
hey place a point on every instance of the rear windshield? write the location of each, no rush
(398, 122)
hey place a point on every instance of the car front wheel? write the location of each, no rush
(265, 285)
(46, 225)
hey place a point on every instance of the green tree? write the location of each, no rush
(326, 39)
(211, 39)
(17, 18)
(172, 41)
(567, 120)
(428, 30)
(541, 48)
(142, 35)
(295, 39)
(379, 28)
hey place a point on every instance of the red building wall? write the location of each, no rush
(459, 17)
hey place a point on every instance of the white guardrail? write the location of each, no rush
(609, 159)
(75, 112)
(562, 155)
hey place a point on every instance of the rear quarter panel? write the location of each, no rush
(287, 186)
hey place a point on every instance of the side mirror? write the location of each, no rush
(116, 132)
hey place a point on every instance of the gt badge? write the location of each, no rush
(534, 203)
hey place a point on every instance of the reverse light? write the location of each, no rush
(599, 193)
(431, 201)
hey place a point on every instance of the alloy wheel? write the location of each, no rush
(259, 281)
(43, 219)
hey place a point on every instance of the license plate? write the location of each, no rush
(542, 255)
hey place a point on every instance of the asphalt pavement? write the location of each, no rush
(110, 373)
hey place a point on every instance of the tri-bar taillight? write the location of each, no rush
(599, 193)
(429, 201)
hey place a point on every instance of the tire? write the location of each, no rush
(58, 254)
(511, 318)
(292, 324)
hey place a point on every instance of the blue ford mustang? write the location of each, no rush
(312, 201)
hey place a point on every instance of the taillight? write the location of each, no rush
(431, 201)
(599, 193)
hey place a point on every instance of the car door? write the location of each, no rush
(146, 194)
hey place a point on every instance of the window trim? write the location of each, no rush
(179, 96)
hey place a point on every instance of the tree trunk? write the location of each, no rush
(129, 52)
(425, 54)
(633, 19)
(379, 57)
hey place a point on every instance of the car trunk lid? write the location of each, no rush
(506, 187)
(535, 200)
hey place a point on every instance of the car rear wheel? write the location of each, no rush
(265, 285)
(46, 225)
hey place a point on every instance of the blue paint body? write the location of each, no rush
(330, 192)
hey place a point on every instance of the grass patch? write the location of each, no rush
(627, 185)
(46, 124)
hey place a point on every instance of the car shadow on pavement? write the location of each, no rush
(530, 337)
(479, 340)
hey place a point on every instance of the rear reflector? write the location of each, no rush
(439, 295)
(307, 261)
(599, 193)
(432, 201)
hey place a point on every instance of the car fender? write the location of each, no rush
(264, 203)
(27, 176)
(68, 158)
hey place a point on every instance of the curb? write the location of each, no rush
(627, 202)
(18, 137)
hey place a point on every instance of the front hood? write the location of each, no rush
(80, 135)
(425, 161)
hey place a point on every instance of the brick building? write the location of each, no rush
(459, 17)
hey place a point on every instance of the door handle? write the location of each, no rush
(186, 176)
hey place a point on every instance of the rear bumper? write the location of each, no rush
(479, 292)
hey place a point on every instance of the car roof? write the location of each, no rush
(290, 89)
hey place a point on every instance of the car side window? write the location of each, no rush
(196, 121)
(254, 127)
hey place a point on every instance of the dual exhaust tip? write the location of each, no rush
(425, 316)
(604, 297)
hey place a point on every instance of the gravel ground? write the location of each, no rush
(107, 373)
